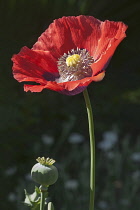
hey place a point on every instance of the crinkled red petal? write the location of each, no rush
(36, 66)
(112, 33)
(40, 64)
(69, 33)
(67, 88)
(76, 87)
(38, 88)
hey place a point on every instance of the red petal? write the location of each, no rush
(112, 33)
(76, 87)
(33, 88)
(38, 88)
(98, 77)
(69, 33)
(34, 66)
(67, 88)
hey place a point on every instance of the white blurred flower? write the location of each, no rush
(11, 171)
(75, 138)
(124, 202)
(110, 138)
(110, 155)
(47, 139)
(135, 156)
(12, 197)
(136, 175)
(71, 184)
(103, 205)
(28, 177)
(111, 135)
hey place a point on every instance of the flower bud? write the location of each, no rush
(44, 172)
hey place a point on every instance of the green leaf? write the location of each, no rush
(33, 200)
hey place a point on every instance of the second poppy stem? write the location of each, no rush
(43, 191)
(92, 149)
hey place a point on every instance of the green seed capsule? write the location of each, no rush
(44, 172)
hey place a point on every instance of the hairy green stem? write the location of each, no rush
(92, 149)
(42, 201)
(43, 191)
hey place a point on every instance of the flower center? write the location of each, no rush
(72, 60)
(75, 65)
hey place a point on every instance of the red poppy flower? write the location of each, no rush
(69, 55)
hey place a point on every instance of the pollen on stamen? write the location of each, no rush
(75, 65)
(73, 60)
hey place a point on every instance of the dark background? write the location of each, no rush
(26, 117)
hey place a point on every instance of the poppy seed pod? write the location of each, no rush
(44, 172)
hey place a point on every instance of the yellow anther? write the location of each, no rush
(72, 60)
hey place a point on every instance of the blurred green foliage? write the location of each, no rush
(25, 117)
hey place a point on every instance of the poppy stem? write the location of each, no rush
(43, 191)
(92, 149)
(42, 201)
